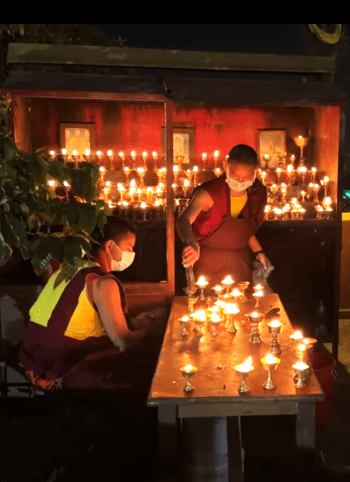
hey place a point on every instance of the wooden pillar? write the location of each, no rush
(22, 123)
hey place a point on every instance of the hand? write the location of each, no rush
(190, 255)
(264, 260)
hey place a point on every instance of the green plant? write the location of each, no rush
(32, 217)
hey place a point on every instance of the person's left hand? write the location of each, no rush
(264, 260)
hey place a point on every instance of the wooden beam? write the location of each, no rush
(73, 94)
(28, 53)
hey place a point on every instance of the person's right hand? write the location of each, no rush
(190, 254)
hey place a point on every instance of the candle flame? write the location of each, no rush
(75, 153)
(132, 183)
(258, 287)
(218, 288)
(246, 366)
(275, 324)
(270, 359)
(228, 280)
(188, 368)
(297, 335)
(300, 366)
(202, 281)
(195, 168)
(254, 314)
(133, 153)
(186, 183)
(99, 153)
(185, 318)
(154, 154)
(215, 318)
(301, 347)
(236, 293)
(110, 153)
(259, 294)
(216, 153)
(204, 155)
(64, 151)
(121, 154)
(231, 308)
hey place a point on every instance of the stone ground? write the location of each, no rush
(46, 441)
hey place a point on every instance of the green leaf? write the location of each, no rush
(19, 230)
(41, 264)
(5, 250)
(87, 217)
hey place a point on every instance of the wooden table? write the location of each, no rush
(215, 396)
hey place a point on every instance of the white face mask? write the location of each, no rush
(238, 186)
(125, 262)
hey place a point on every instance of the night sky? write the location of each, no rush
(249, 38)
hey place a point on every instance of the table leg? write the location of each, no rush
(204, 450)
(168, 437)
(305, 426)
(234, 442)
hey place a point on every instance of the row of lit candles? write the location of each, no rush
(293, 210)
(230, 310)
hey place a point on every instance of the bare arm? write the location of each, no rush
(106, 296)
(261, 257)
(201, 201)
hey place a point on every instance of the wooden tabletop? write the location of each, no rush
(215, 357)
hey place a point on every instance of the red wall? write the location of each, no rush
(122, 126)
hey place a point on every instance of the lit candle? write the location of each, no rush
(155, 155)
(297, 335)
(121, 155)
(98, 153)
(216, 155)
(52, 153)
(263, 176)
(218, 171)
(188, 372)
(246, 366)
(325, 182)
(144, 155)
(290, 170)
(313, 173)
(202, 282)
(110, 153)
(275, 324)
(258, 287)
(231, 308)
(186, 186)
(75, 153)
(270, 359)
(218, 289)
(51, 183)
(300, 365)
(64, 151)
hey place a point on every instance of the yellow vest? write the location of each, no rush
(85, 320)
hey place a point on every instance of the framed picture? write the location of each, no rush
(272, 143)
(183, 144)
(77, 137)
